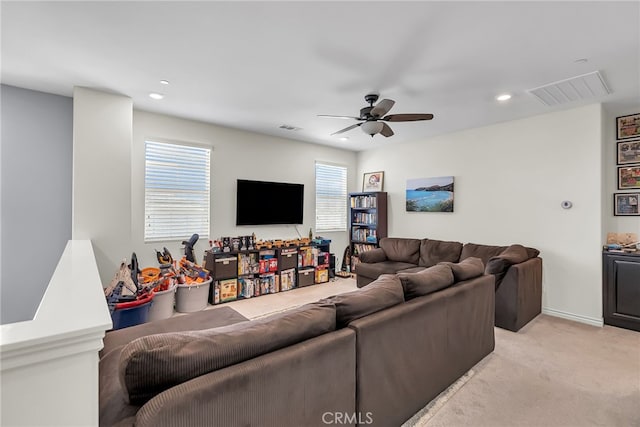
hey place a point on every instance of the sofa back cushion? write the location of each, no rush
(466, 269)
(152, 364)
(386, 291)
(400, 249)
(434, 251)
(427, 281)
(484, 252)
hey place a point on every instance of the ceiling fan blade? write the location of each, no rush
(382, 108)
(407, 117)
(339, 117)
(386, 130)
(346, 129)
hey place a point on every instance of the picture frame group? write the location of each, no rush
(628, 161)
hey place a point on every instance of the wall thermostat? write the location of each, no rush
(566, 204)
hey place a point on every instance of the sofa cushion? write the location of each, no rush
(401, 249)
(412, 270)
(484, 252)
(154, 363)
(374, 255)
(499, 264)
(466, 269)
(373, 271)
(532, 252)
(427, 281)
(435, 251)
(384, 292)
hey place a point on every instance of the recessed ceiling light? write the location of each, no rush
(503, 97)
(581, 60)
(344, 138)
(155, 95)
(164, 82)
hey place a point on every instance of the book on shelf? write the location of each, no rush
(362, 247)
(363, 201)
(364, 218)
(364, 234)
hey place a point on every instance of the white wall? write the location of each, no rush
(102, 125)
(615, 224)
(36, 195)
(236, 154)
(510, 179)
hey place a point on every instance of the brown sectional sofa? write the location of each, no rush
(517, 271)
(374, 356)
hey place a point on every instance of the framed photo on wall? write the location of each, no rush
(372, 181)
(628, 126)
(626, 204)
(628, 152)
(629, 177)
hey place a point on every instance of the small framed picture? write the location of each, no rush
(626, 204)
(629, 177)
(628, 126)
(628, 152)
(372, 181)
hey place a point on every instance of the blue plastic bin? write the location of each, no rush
(125, 317)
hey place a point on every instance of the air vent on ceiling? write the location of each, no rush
(577, 88)
(289, 127)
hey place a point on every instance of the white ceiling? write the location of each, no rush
(258, 65)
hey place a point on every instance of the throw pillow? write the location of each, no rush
(154, 363)
(466, 269)
(384, 292)
(427, 281)
(498, 265)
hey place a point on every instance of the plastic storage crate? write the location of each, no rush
(193, 297)
(163, 302)
(131, 313)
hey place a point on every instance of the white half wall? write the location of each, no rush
(102, 124)
(510, 179)
(235, 155)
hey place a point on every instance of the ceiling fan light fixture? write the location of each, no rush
(372, 127)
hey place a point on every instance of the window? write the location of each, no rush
(176, 196)
(331, 197)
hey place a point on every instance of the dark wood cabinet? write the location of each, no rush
(367, 222)
(621, 289)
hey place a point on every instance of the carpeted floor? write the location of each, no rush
(552, 373)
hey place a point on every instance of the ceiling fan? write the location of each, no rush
(372, 120)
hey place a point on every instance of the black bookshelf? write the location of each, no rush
(367, 222)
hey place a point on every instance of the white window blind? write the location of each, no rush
(176, 197)
(331, 197)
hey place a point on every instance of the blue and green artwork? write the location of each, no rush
(430, 194)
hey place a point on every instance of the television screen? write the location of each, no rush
(262, 203)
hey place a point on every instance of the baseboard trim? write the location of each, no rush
(575, 317)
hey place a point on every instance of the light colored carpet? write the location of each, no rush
(552, 373)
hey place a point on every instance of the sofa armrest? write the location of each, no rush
(519, 296)
(374, 255)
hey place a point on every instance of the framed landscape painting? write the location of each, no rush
(430, 194)
(626, 204)
(629, 177)
(628, 126)
(628, 152)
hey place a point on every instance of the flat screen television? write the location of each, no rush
(263, 203)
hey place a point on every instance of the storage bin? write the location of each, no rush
(193, 297)
(162, 306)
(225, 267)
(306, 277)
(131, 313)
(322, 275)
(288, 258)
